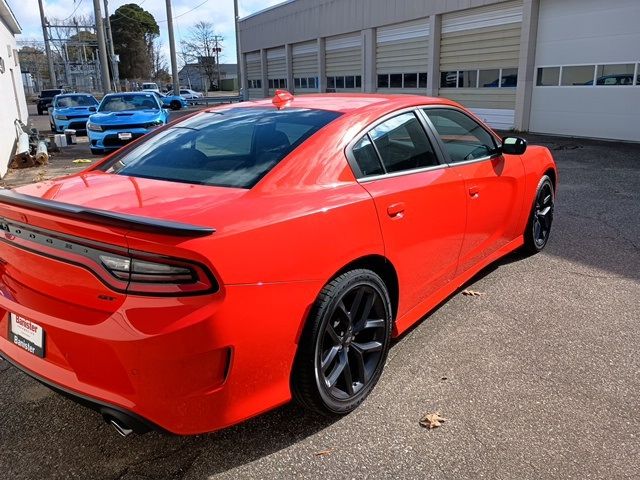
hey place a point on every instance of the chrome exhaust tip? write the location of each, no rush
(122, 430)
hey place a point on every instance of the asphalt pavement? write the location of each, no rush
(538, 377)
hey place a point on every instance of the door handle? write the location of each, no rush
(396, 210)
(474, 191)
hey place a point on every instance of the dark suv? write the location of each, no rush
(45, 99)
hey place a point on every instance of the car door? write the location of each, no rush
(494, 182)
(420, 201)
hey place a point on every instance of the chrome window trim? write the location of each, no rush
(433, 140)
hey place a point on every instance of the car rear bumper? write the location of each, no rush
(187, 365)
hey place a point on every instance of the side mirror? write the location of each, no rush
(514, 145)
(93, 109)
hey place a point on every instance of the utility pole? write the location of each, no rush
(102, 48)
(172, 50)
(217, 39)
(112, 54)
(47, 47)
(239, 61)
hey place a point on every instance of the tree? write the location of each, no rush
(160, 68)
(203, 46)
(134, 31)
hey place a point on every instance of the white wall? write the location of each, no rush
(11, 109)
(587, 32)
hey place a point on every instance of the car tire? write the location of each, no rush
(175, 105)
(344, 344)
(536, 235)
(39, 112)
(97, 151)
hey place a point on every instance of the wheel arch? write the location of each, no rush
(381, 266)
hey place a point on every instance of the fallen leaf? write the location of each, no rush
(472, 293)
(432, 420)
(322, 453)
(82, 160)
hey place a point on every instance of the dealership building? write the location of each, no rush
(569, 67)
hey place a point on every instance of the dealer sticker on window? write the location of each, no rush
(26, 334)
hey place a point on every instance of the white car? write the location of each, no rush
(150, 87)
(188, 94)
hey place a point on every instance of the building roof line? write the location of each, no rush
(9, 18)
(272, 7)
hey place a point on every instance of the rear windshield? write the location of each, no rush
(76, 101)
(121, 103)
(233, 148)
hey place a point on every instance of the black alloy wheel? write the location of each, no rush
(344, 345)
(539, 225)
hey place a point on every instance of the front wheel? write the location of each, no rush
(538, 228)
(344, 344)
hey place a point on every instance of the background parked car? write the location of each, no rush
(174, 102)
(72, 110)
(188, 94)
(150, 87)
(123, 117)
(46, 97)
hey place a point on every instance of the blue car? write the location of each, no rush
(71, 110)
(123, 117)
(174, 102)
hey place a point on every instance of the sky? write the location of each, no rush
(218, 12)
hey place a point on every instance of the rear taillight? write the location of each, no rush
(122, 270)
(147, 274)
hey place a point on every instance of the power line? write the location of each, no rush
(74, 11)
(185, 13)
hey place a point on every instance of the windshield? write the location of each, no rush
(120, 103)
(76, 101)
(232, 148)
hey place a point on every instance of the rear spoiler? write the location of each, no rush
(104, 217)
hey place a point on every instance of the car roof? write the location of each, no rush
(74, 95)
(351, 102)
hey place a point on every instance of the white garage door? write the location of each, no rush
(587, 69)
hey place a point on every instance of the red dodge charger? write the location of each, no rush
(254, 253)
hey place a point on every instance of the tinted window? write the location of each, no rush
(233, 148)
(463, 137)
(367, 158)
(120, 103)
(403, 144)
(75, 101)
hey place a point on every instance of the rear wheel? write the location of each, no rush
(97, 151)
(175, 105)
(538, 229)
(344, 345)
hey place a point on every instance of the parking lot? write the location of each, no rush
(537, 377)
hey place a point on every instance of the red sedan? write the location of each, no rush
(252, 253)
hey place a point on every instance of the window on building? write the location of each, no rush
(313, 82)
(621, 74)
(403, 144)
(383, 81)
(463, 138)
(489, 78)
(350, 82)
(468, 79)
(339, 82)
(509, 78)
(548, 77)
(422, 80)
(331, 82)
(449, 79)
(395, 80)
(581, 75)
(304, 83)
(410, 80)
(358, 81)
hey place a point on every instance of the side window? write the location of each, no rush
(463, 137)
(367, 158)
(403, 144)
